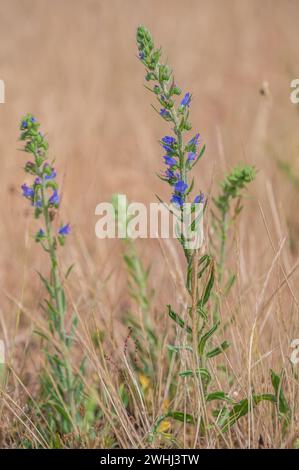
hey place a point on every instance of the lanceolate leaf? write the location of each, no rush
(47, 285)
(216, 351)
(220, 395)
(176, 415)
(200, 155)
(227, 418)
(283, 406)
(208, 289)
(203, 264)
(201, 372)
(174, 316)
(204, 339)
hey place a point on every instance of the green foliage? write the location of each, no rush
(228, 415)
(232, 184)
(231, 187)
(283, 408)
(62, 397)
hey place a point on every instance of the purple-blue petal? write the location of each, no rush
(180, 186)
(64, 229)
(186, 100)
(177, 200)
(54, 199)
(168, 160)
(200, 198)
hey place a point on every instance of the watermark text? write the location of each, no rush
(160, 220)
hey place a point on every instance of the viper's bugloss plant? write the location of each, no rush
(61, 388)
(43, 195)
(180, 158)
(181, 155)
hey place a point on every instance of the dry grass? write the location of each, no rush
(72, 64)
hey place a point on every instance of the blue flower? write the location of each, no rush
(24, 124)
(199, 198)
(168, 140)
(40, 235)
(38, 203)
(169, 174)
(64, 229)
(186, 100)
(191, 156)
(49, 172)
(27, 191)
(141, 55)
(54, 199)
(164, 113)
(180, 186)
(168, 149)
(177, 200)
(168, 160)
(194, 141)
(32, 119)
(51, 176)
(37, 181)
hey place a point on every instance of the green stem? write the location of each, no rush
(53, 256)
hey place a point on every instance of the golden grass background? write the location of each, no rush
(73, 64)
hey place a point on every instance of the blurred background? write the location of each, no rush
(73, 64)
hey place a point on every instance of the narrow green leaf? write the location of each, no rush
(220, 395)
(229, 284)
(207, 292)
(283, 406)
(47, 285)
(69, 270)
(216, 351)
(175, 317)
(204, 339)
(201, 372)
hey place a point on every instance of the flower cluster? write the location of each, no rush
(43, 192)
(179, 157)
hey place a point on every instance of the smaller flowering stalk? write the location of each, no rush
(43, 195)
(180, 157)
(231, 188)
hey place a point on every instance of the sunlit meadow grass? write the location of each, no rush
(192, 372)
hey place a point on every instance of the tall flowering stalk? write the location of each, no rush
(180, 158)
(181, 155)
(61, 389)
